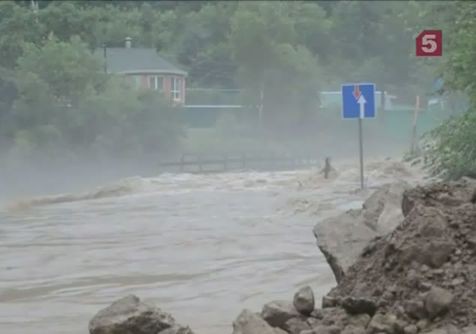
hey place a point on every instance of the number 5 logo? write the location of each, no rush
(429, 43)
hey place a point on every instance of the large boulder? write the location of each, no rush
(130, 316)
(276, 313)
(438, 301)
(341, 239)
(251, 323)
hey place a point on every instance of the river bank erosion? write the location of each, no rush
(205, 247)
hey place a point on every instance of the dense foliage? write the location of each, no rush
(450, 148)
(52, 92)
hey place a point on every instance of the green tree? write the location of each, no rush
(66, 104)
(18, 25)
(273, 64)
(68, 69)
(450, 150)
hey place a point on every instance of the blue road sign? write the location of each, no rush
(358, 100)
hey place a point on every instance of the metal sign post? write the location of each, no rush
(358, 101)
(361, 153)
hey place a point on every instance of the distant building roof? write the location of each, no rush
(137, 60)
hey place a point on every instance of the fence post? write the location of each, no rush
(225, 162)
(199, 159)
(182, 160)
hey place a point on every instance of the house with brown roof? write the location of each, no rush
(145, 69)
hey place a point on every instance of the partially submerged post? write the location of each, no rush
(327, 168)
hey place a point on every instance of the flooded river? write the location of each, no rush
(201, 247)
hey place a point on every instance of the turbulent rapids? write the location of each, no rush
(201, 246)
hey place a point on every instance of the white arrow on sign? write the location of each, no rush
(361, 101)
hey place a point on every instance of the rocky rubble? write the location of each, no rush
(420, 278)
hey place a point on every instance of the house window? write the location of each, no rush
(176, 88)
(155, 82)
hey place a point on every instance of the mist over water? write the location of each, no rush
(199, 246)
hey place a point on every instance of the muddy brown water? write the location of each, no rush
(201, 247)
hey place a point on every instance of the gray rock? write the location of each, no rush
(383, 323)
(450, 329)
(328, 301)
(437, 301)
(250, 323)
(360, 320)
(304, 301)
(432, 224)
(296, 325)
(359, 305)
(433, 253)
(129, 315)
(313, 322)
(276, 313)
(318, 314)
(177, 330)
(470, 329)
(278, 331)
(324, 330)
(410, 329)
(342, 239)
(335, 316)
(471, 240)
(415, 309)
(422, 324)
(438, 331)
(353, 330)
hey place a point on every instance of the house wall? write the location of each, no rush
(142, 82)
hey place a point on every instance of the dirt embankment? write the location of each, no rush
(419, 278)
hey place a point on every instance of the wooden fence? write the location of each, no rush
(195, 163)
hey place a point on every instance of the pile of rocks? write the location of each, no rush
(423, 274)
(130, 316)
(420, 278)
(280, 316)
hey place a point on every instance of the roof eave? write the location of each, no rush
(145, 71)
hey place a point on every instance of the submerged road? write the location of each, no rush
(201, 247)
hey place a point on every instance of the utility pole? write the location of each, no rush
(260, 107)
(414, 140)
(382, 99)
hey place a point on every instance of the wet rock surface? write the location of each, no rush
(131, 316)
(304, 301)
(251, 323)
(276, 313)
(341, 239)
